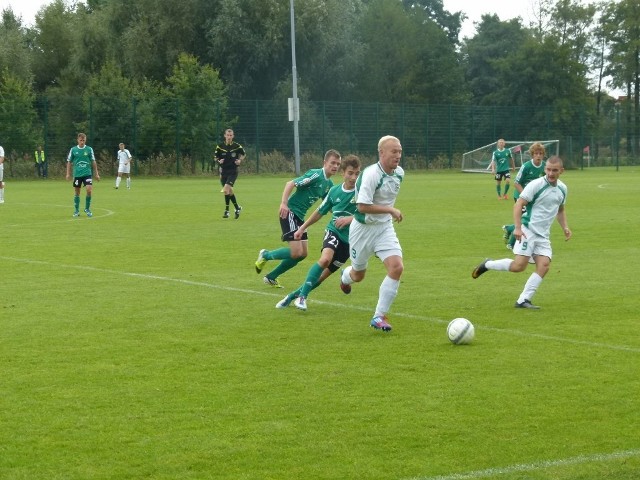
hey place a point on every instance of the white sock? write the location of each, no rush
(118, 181)
(502, 264)
(530, 287)
(2, 194)
(388, 292)
(346, 277)
(128, 182)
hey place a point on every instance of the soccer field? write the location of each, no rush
(140, 343)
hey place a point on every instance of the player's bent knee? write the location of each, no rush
(517, 267)
(394, 267)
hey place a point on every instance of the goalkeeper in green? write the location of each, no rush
(501, 165)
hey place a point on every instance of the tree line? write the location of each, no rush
(82, 58)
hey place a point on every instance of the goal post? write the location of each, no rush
(479, 160)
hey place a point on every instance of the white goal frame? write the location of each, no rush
(479, 160)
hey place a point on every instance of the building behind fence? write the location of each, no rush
(178, 137)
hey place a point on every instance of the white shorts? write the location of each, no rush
(532, 245)
(374, 239)
(124, 168)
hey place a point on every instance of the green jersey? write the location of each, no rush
(528, 172)
(309, 188)
(502, 159)
(82, 160)
(342, 203)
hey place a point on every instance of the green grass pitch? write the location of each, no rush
(141, 344)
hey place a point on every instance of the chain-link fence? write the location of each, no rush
(178, 137)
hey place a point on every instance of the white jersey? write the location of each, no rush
(375, 187)
(543, 202)
(1, 164)
(124, 156)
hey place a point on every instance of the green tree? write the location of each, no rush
(53, 45)
(17, 115)
(542, 73)
(329, 53)
(201, 95)
(154, 33)
(248, 41)
(494, 41)
(621, 29)
(409, 58)
(451, 23)
(573, 24)
(14, 51)
(108, 101)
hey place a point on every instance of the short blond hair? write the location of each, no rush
(385, 139)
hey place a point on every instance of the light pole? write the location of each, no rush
(616, 106)
(294, 108)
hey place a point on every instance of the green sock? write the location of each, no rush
(498, 190)
(76, 202)
(312, 279)
(284, 266)
(283, 253)
(87, 202)
(506, 188)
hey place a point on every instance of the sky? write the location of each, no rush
(26, 9)
(505, 9)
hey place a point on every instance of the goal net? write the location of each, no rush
(479, 160)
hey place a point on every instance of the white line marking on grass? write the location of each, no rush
(136, 275)
(60, 219)
(320, 302)
(603, 185)
(562, 339)
(529, 467)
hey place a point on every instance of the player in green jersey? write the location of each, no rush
(84, 164)
(501, 164)
(335, 246)
(310, 187)
(530, 170)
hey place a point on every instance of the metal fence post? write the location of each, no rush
(134, 133)
(177, 136)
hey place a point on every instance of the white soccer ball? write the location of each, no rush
(460, 331)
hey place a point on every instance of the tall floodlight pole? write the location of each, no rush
(296, 112)
(616, 106)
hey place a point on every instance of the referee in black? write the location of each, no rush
(229, 155)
